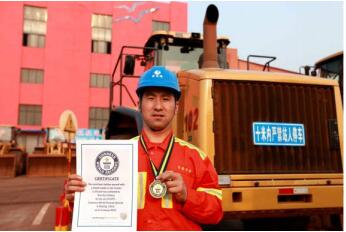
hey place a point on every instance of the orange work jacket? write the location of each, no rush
(203, 203)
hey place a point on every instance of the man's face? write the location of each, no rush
(158, 107)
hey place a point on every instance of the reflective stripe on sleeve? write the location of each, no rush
(142, 183)
(189, 145)
(167, 201)
(211, 191)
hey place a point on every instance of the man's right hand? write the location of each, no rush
(74, 184)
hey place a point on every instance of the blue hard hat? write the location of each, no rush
(158, 76)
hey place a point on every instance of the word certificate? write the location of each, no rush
(109, 202)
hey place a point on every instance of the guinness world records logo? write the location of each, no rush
(107, 163)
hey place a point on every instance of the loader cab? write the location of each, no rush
(181, 50)
(331, 67)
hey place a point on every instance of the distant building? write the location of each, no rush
(60, 55)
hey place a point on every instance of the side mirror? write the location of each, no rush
(129, 67)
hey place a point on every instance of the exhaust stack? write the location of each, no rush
(209, 37)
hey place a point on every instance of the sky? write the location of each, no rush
(297, 32)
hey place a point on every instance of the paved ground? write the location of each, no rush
(28, 203)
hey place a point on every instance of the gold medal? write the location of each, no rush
(157, 189)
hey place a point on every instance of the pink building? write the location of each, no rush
(56, 56)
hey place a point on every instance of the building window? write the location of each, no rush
(30, 115)
(98, 117)
(101, 34)
(34, 76)
(35, 27)
(160, 26)
(98, 80)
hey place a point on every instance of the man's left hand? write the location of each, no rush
(175, 184)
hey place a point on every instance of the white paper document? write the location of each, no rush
(109, 202)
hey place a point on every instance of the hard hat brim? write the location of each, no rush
(141, 90)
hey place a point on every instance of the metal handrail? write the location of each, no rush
(272, 58)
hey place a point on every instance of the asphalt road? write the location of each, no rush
(28, 203)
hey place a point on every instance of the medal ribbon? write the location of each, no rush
(165, 159)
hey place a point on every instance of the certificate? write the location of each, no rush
(109, 202)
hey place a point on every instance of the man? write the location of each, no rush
(177, 184)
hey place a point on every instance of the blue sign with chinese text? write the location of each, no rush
(89, 134)
(278, 134)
